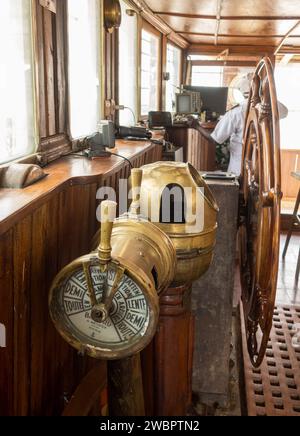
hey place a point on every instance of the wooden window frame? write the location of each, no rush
(52, 82)
(50, 41)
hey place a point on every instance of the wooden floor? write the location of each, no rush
(288, 292)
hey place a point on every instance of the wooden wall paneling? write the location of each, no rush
(74, 240)
(290, 161)
(79, 221)
(22, 312)
(6, 318)
(46, 372)
(64, 228)
(93, 222)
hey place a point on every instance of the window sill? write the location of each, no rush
(15, 204)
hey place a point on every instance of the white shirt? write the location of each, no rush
(232, 126)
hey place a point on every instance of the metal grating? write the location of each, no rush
(274, 389)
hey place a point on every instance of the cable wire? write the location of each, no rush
(108, 152)
(133, 114)
(122, 157)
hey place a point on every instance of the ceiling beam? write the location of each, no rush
(142, 8)
(226, 35)
(229, 17)
(289, 49)
(218, 20)
(286, 59)
(285, 38)
(223, 54)
(227, 63)
(234, 49)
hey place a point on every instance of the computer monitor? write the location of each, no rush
(188, 103)
(159, 119)
(214, 99)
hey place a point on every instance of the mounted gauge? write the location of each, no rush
(259, 233)
(112, 15)
(106, 304)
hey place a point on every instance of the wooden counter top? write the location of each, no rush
(68, 171)
(209, 125)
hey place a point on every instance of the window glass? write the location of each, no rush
(173, 84)
(128, 67)
(17, 114)
(288, 92)
(207, 76)
(84, 66)
(228, 76)
(150, 72)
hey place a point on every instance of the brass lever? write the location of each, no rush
(136, 182)
(108, 215)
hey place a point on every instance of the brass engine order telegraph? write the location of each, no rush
(194, 233)
(105, 304)
(261, 195)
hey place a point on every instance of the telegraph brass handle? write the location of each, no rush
(136, 182)
(108, 215)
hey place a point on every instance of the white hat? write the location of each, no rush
(244, 83)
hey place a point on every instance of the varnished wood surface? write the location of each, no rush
(198, 151)
(68, 171)
(230, 8)
(234, 23)
(88, 392)
(289, 159)
(167, 361)
(296, 174)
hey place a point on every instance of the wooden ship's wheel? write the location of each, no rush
(259, 233)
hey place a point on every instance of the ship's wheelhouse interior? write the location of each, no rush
(149, 208)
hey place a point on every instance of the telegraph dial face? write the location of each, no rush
(131, 320)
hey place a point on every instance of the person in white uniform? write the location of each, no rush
(232, 126)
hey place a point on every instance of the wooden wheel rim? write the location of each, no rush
(259, 234)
